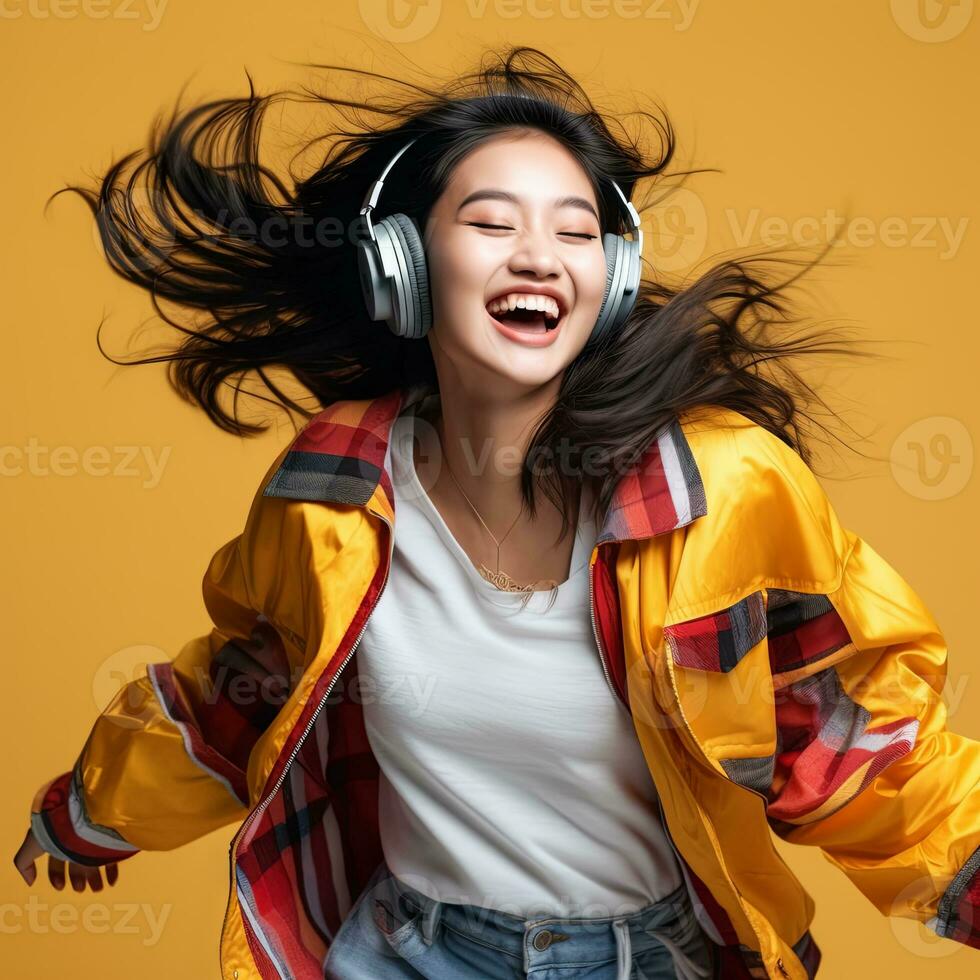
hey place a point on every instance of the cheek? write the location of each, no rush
(589, 276)
(458, 267)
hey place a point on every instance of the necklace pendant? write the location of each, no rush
(506, 583)
(503, 581)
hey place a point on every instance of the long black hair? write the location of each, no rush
(263, 270)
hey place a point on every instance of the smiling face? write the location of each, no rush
(536, 231)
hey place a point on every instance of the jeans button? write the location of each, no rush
(543, 939)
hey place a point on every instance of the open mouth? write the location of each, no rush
(529, 321)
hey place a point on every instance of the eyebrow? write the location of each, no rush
(494, 194)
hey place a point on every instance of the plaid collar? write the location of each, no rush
(341, 456)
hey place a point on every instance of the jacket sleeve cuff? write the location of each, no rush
(61, 825)
(958, 914)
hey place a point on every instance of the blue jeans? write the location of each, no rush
(394, 931)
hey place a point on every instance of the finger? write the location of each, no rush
(27, 871)
(24, 858)
(77, 875)
(29, 848)
(94, 879)
(111, 873)
(56, 872)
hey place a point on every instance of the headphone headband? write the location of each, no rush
(374, 191)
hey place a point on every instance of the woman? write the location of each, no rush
(489, 738)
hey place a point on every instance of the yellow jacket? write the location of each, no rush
(780, 675)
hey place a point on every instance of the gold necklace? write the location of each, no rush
(499, 578)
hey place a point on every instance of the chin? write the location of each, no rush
(512, 374)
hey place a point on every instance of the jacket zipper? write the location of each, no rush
(302, 738)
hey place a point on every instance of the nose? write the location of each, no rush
(534, 253)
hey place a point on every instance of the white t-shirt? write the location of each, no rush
(511, 777)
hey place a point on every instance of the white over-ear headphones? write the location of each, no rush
(395, 279)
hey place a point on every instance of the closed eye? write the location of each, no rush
(571, 234)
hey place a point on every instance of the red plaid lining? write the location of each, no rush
(609, 626)
(204, 755)
(318, 841)
(661, 492)
(60, 821)
(248, 683)
(803, 629)
(339, 457)
(826, 753)
(719, 640)
(958, 915)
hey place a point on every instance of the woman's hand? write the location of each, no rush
(80, 874)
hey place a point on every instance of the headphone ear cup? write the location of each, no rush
(414, 281)
(623, 262)
(612, 248)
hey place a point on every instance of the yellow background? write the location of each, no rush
(808, 108)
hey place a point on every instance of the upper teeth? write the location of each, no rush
(524, 301)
